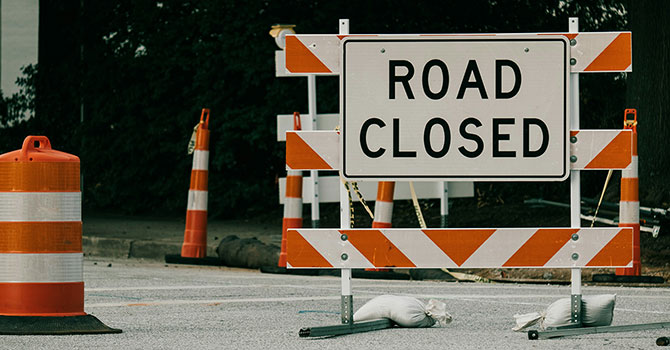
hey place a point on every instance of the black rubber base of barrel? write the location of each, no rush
(178, 259)
(50, 325)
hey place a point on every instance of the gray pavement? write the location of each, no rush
(153, 238)
(162, 306)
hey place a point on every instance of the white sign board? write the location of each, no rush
(486, 108)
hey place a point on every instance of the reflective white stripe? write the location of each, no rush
(293, 208)
(200, 160)
(631, 170)
(40, 206)
(428, 255)
(67, 267)
(197, 200)
(329, 244)
(629, 212)
(294, 172)
(589, 244)
(498, 248)
(383, 211)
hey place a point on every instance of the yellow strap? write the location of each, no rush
(361, 199)
(417, 208)
(351, 206)
(602, 194)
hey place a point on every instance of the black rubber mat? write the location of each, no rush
(48, 325)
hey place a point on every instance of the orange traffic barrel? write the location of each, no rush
(41, 280)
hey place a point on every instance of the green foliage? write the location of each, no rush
(149, 67)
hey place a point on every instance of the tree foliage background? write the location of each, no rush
(121, 84)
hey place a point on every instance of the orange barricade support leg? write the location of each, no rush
(42, 281)
(292, 201)
(195, 234)
(629, 207)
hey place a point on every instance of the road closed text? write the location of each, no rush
(487, 109)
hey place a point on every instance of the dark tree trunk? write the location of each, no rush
(648, 90)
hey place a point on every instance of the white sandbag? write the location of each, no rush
(405, 311)
(557, 314)
(526, 320)
(597, 310)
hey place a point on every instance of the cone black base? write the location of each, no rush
(178, 259)
(48, 325)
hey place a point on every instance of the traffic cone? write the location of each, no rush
(292, 201)
(41, 281)
(383, 209)
(194, 248)
(629, 206)
(384, 205)
(195, 234)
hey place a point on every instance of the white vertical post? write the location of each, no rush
(444, 204)
(347, 306)
(311, 103)
(575, 184)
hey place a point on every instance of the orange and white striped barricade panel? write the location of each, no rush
(600, 149)
(41, 255)
(592, 52)
(460, 248)
(312, 150)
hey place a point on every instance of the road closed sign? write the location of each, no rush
(488, 108)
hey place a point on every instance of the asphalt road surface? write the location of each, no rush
(183, 307)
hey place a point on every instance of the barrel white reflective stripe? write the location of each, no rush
(629, 212)
(292, 208)
(631, 169)
(197, 200)
(40, 206)
(383, 211)
(35, 268)
(200, 160)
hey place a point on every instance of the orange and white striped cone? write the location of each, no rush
(292, 201)
(41, 258)
(384, 205)
(383, 208)
(629, 206)
(195, 233)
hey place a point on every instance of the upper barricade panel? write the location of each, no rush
(590, 52)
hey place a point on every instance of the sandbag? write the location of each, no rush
(597, 310)
(405, 311)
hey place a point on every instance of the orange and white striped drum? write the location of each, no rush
(40, 232)
(195, 233)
